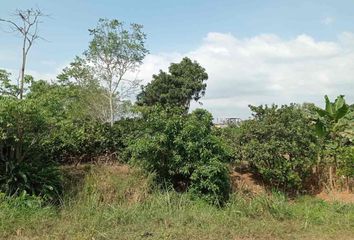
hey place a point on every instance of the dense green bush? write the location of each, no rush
(211, 181)
(279, 145)
(126, 131)
(346, 161)
(82, 141)
(33, 176)
(23, 161)
(75, 134)
(182, 151)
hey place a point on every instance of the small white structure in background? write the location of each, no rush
(224, 122)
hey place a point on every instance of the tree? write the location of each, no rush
(182, 150)
(114, 52)
(27, 26)
(24, 164)
(6, 87)
(279, 145)
(184, 82)
(336, 120)
(335, 126)
(92, 95)
(78, 72)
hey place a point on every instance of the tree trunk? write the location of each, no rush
(111, 109)
(331, 180)
(23, 66)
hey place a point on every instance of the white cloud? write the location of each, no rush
(49, 76)
(327, 20)
(266, 69)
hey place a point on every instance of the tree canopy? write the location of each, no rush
(184, 82)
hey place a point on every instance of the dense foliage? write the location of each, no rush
(279, 145)
(75, 134)
(181, 150)
(335, 127)
(86, 116)
(184, 82)
(24, 164)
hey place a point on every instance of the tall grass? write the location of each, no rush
(115, 204)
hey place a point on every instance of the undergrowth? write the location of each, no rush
(115, 202)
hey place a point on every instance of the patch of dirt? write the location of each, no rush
(246, 182)
(333, 196)
(249, 183)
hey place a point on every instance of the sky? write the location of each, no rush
(255, 51)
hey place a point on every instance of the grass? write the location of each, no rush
(118, 203)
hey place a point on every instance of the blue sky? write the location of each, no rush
(191, 27)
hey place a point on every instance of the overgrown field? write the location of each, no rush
(115, 202)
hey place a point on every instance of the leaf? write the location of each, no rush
(24, 177)
(329, 107)
(339, 102)
(321, 112)
(341, 112)
(320, 129)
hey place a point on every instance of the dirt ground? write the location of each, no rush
(336, 196)
(248, 183)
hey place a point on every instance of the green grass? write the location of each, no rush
(110, 203)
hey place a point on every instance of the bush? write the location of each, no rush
(35, 177)
(82, 141)
(23, 160)
(279, 145)
(125, 131)
(211, 182)
(76, 134)
(182, 151)
(346, 161)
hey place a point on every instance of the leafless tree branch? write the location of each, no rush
(26, 25)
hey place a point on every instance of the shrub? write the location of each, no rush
(279, 145)
(211, 182)
(346, 161)
(76, 131)
(182, 151)
(23, 161)
(81, 141)
(33, 176)
(125, 131)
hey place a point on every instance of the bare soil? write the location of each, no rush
(248, 183)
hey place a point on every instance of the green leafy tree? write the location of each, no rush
(115, 51)
(279, 145)
(75, 133)
(182, 151)
(184, 82)
(24, 165)
(6, 86)
(78, 72)
(8, 89)
(92, 95)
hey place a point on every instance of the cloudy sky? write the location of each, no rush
(255, 52)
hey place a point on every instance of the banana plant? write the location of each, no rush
(336, 120)
(335, 126)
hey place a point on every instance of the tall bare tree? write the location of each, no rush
(26, 25)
